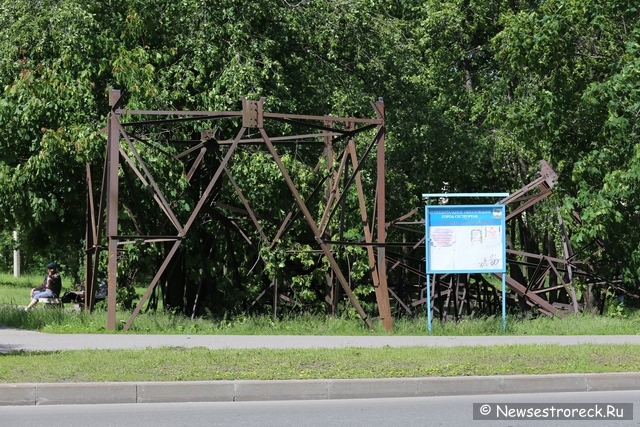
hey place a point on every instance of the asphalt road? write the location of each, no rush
(451, 411)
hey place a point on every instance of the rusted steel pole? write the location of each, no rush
(330, 289)
(113, 144)
(91, 248)
(566, 248)
(368, 237)
(100, 223)
(382, 294)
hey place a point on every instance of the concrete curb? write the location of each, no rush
(242, 390)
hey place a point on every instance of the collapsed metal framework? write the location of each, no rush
(549, 287)
(397, 277)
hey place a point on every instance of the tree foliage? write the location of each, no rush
(476, 92)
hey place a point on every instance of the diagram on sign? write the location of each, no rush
(466, 240)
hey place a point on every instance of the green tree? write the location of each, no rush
(566, 92)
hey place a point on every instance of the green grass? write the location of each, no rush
(199, 364)
(178, 364)
(15, 291)
(25, 281)
(65, 321)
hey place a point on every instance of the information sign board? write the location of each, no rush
(465, 239)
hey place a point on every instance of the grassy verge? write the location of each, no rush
(63, 321)
(619, 320)
(177, 364)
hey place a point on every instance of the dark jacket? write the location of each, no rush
(53, 283)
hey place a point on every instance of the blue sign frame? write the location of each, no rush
(463, 239)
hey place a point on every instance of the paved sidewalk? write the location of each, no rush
(210, 391)
(15, 339)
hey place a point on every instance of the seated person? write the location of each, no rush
(50, 288)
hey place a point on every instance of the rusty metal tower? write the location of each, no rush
(398, 277)
(323, 131)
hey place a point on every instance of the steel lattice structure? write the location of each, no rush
(398, 277)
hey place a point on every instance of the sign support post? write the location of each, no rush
(504, 302)
(464, 239)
